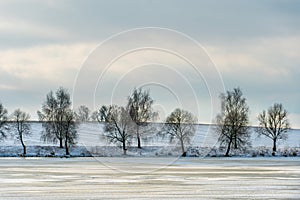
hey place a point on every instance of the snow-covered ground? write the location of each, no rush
(90, 135)
(149, 178)
(90, 140)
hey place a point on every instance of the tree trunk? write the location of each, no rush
(228, 148)
(124, 147)
(235, 142)
(139, 142)
(66, 147)
(24, 150)
(61, 143)
(138, 137)
(66, 143)
(274, 147)
(182, 148)
(24, 147)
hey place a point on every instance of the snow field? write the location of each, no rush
(91, 142)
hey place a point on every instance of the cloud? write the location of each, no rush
(258, 54)
(267, 70)
(49, 62)
(266, 63)
(255, 45)
(207, 21)
(23, 28)
(7, 87)
(28, 74)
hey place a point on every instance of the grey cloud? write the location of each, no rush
(208, 21)
(233, 24)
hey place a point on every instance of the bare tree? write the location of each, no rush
(274, 124)
(70, 129)
(95, 115)
(117, 124)
(180, 125)
(21, 126)
(83, 114)
(52, 115)
(3, 122)
(140, 110)
(233, 121)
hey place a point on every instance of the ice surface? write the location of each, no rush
(149, 178)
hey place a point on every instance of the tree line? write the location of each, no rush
(123, 123)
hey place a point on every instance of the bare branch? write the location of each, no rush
(274, 124)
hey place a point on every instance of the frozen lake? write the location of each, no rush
(150, 178)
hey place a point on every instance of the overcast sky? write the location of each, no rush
(255, 45)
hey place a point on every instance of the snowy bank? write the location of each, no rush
(149, 151)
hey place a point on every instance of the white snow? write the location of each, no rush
(90, 140)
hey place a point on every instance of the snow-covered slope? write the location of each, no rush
(90, 135)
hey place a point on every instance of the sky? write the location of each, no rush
(100, 51)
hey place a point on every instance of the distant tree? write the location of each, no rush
(117, 124)
(274, 124)
(70, 129)
(180, 125)
(48, 117)
(94, 115)
(233, 121)
(21, 126)
(83, 114)
(3, 122)
(140, 110)
(53, 114)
